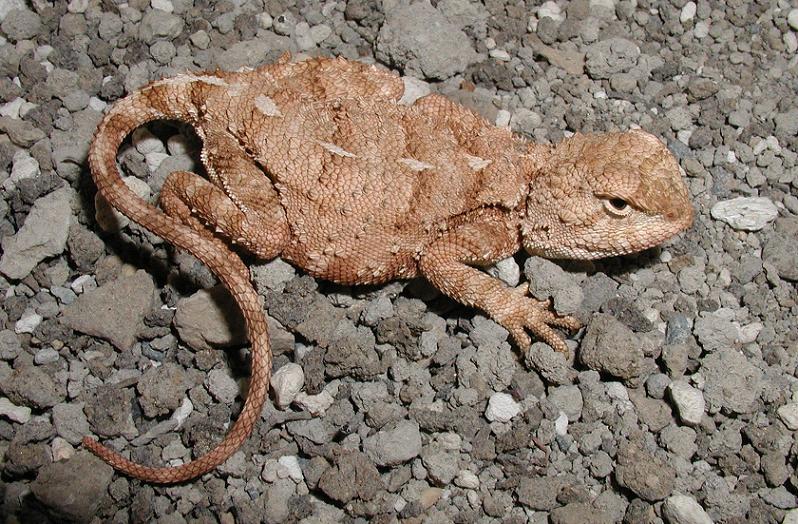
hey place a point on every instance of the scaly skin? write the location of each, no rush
(318, 163)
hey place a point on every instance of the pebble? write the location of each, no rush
(550, 10)
(46, 356)
(788, 414)
(745, 213)
(29, 321)
(210, 319)
(316, 405)
(792, 19)
(683, 509)
(286, 383)
(689, 402)
(44, 234)
(222, 386)
(11, 411)
(502, 408)
(291, 465)
(688, 12)
(466, 479)
(62, 450)
(394, 444)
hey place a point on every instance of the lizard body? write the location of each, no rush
(319, 163)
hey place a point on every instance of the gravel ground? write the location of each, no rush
(393, 403)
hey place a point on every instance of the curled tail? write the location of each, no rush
(172, 99)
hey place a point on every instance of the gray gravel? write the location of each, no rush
(679, 405)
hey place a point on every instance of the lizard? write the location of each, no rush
(318, 162)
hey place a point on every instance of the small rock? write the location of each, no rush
(70, 422)
(62, 450)
(466, 480)
(210, 319)
(614, 55)
(353, 476)
(502, 408)
(539, 493)
(732, 382)
(10, 346)
(645, 474)
(21, 24)
(788, 414)
(29, 321)
(11, 411)
(551, 10)
(108, 218)
(507, 271)
(286, 383)
(44, 234)
(31, 386)
(316, 405)
(162, 389)
(411, 30)
(717, 329)
(547, 279)
(682, 509)
(291, 465)
(689, 402)
(745, 213)
(394, 444)
(688, 12)
(73, 489)
(222, 386)
(792, 19)
(611, 347)
(114, 311)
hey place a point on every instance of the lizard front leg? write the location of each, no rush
(488, 237)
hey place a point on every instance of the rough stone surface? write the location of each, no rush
(114, 311)
(210, 319)
(43, 235)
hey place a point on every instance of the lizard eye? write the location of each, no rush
(617, 206)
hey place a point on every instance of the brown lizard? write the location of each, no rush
(318, 163)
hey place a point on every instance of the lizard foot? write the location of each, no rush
(527, 313)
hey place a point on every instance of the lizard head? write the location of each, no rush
(603, 195)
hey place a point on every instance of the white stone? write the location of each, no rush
(749, 332)
(12, 108)
(181, 414)
(291, 464)
(507, 271)
(689, 401)
(745, 213)
(145, 142)
(682, 509)
(790, 517)
(222, 386)
(688, 12)
(788, 413)
(499, 54)
(13, 412)
(414, 89)
(83, 283)
(466, 479)
(550, 10)
(503, 118)
(178, 144)
(265, 20)
(46, 356)
(502, 408)
(77, 6)
(30, 320)
(316, 405)
(61, 449)
(163, 5)
(24, 166)
(154, 160)
(792, 19)
(701, 30)
(790, 42)
(561, 424)
(286, 383)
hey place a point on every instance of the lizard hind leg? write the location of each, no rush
(178, 198)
